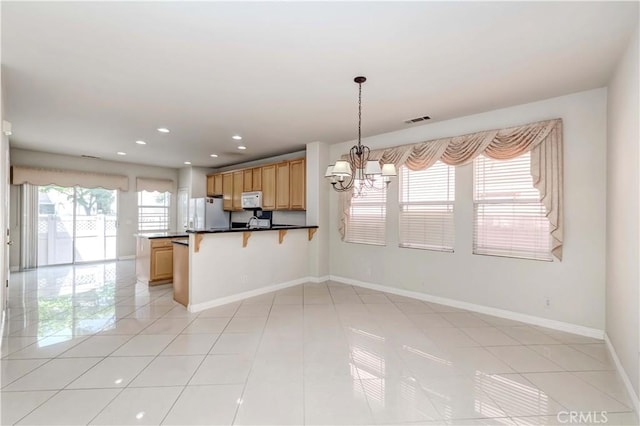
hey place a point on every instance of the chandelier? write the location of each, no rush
(358, 172)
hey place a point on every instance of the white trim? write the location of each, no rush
(502, 313)
(14, 268)
(246, 294)
(319, 279)
(627, 383)
(133, 256)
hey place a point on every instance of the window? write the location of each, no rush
(367, 216)
(153, 211)
(509, 218)
(426, 207)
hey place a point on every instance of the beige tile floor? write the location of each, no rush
(87, 345)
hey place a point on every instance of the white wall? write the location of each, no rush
(575, 286)
(317, 207)
(623, 213)
(127, 201)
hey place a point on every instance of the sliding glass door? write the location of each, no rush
(76, 224)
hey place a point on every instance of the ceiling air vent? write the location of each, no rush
(90, 156)
(417, 120)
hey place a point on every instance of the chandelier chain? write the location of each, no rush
(359, 113)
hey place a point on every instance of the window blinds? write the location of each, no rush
(426, 207)
(153, 211)
(509, 219)
(367, 217)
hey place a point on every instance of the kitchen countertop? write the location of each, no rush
(152, 235)
(245, 229)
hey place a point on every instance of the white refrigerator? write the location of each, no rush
(207, 213)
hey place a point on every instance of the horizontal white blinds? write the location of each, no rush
(426, 207)
(367, 217)
(67, 178)
(509, 219)
(153, 211)
(151, 185)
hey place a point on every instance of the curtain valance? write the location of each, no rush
(543, 139)
(42, 177)
(151, 184)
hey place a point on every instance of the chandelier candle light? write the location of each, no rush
(359, 172)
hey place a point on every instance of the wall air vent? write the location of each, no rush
(90, 156)
(417, 120)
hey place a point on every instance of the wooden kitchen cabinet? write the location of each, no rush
(248, 180)
(238, 188)
(154, 260)
(268, 185)
(210, 186)
(282, 186)
(297, 184)
(227, 191)
(161, 263)
(214, 185)
(257, 179)
(217, 184)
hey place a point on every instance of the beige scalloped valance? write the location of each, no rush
(151, 185)
(67, 178)
(543, 139)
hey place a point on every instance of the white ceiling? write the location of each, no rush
(92, 78)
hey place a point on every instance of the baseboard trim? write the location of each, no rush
(127, 257)
(625, 378)
(247, 294)
(502, 313)
(319, 279)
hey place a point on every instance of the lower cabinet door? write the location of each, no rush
(162, 263)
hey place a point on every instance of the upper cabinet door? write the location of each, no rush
(238, 188)
(214, 185)
(282, 186)
(227, 191)
(269, 187)
(248, 180)
(297, 184)
(210, 186)
(217, 184)
(257, 179)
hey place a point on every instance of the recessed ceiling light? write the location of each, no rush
(163, 130)
(141, 142)
(237, 137)
(187, 162)
(242, 147)
(121, 153)
(214, 155)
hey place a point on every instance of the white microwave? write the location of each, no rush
(252, 200)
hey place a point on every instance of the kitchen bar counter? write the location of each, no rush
(245, 229)
(153, 235)
(226, 266)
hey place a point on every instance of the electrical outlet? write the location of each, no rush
(547, 302)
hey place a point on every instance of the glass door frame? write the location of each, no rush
(74, 236)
